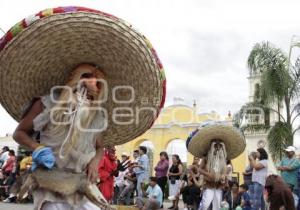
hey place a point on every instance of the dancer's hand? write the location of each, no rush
(92, 170)
(42, 156)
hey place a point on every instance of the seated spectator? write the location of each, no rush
(130, 184)
(232, 197)
(279, 195)
(189, 190)
(4, 187)
(4, 155)
(152, 197)
(26, 162)
(15, 182)
(245, 197)
(8, 166)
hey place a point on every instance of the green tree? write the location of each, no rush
(279, 87)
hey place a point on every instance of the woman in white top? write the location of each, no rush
(259, 163)
(229, 170)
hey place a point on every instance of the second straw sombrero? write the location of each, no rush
(40, 51)
(198, 144)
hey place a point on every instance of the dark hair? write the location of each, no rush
(27, 153)
(178, 159)
(11, 152)
(143, 148)
(136, 151)
(228, 162)
(163, 153)
(291, 187)
(263, 154)
(153, 179)
(232, 183)
(6, 148)
(244, 186)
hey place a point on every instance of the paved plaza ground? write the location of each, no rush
(9, 206)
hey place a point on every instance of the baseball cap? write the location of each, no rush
(290, 149)
(124, 154)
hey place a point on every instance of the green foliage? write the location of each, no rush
(272, 63)
(279, 84)
(279, 137)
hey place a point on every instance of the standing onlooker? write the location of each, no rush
(154, 196)
(229, 170)
(106, 169)
(247, 174)
(161, 171)
(4, 155)
(142, 170)
(288, 167)
(259, 163)
(174, 175)
(136, 155)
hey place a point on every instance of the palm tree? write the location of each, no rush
(279, 87)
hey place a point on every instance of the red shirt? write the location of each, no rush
(105, 169)
(9, 165)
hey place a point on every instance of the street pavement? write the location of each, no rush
(11, 206)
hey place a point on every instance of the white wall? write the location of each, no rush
(8, 141)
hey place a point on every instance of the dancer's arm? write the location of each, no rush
(25, 128)
(92, 168)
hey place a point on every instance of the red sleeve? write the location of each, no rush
(103, 174)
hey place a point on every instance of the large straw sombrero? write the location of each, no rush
(40, 51)
(198, 143)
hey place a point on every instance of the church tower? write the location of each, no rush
(256, 120)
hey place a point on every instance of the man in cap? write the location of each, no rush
(288, 167)
(119, 174)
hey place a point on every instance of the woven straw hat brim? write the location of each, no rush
(44, 53)
(233, 139)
